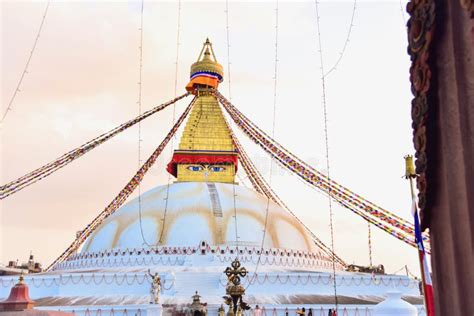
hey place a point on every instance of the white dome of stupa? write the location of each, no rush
(197, 212)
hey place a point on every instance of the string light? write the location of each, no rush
(228, 48)
(346, 42)
(139, 123)
(370, 244)
(326, 137)
(228, 76)
(275, 86)
(178, 29)
(25, 69)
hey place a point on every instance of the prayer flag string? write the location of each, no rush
(261, 186)
(123, 194)
(42, 172)
(367, 210)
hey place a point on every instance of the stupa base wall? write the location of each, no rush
(277, 292)
(266, 310)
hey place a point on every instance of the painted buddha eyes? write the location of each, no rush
(210, 168)
(195, 168)
(216, 168)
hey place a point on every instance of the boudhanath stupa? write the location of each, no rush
(189, 231)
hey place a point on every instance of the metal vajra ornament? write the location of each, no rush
(233, 274)
(234, 289)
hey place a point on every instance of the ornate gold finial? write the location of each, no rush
(409, 167)
(206, 71)
(21, 279)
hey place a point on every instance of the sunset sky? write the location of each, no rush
(82, 81)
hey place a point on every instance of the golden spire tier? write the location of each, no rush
(206, 151)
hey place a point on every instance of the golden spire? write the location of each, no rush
(206, 151)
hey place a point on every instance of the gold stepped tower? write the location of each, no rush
(206, 151)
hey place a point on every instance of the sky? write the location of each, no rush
(83, 81)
